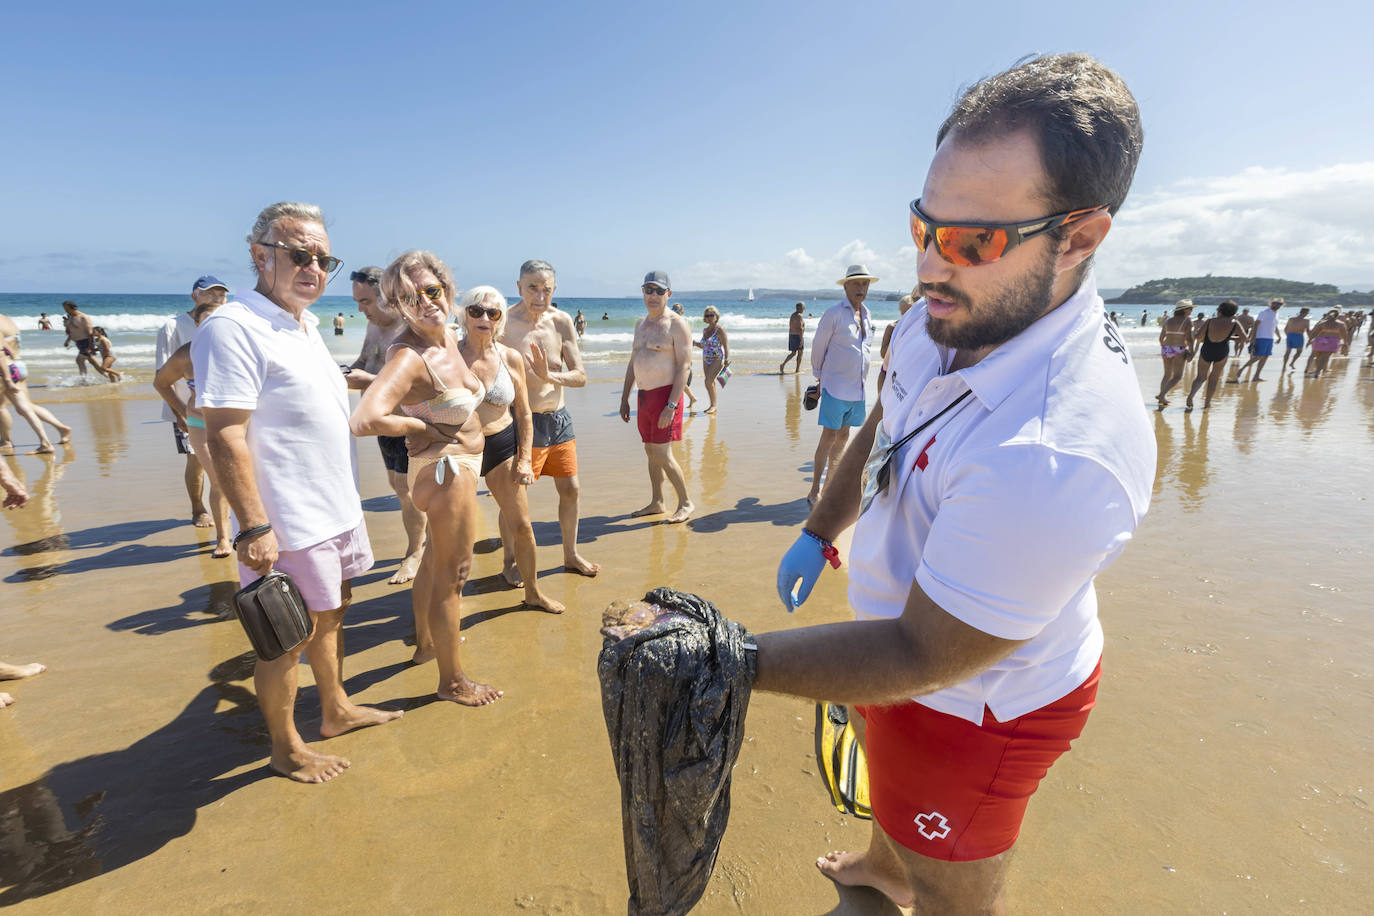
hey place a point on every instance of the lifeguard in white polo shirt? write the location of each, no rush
(1009, 460)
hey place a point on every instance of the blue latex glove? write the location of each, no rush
(803, 561)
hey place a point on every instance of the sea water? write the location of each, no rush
(757, 330)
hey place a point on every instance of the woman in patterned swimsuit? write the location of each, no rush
(426, 393)
(715, 352)
(1175, 347)
(506, 456)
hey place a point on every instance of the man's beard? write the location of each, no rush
(1006, 312)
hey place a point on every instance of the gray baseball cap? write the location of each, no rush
(657, 278)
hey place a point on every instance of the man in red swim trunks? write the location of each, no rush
(998, 489)
(659, 362)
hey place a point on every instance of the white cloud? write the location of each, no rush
(798, 269)
(1311, 225)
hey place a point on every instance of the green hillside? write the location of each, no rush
(1246, 290)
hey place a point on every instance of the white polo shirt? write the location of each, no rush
(175, 333)
(1007, 507)
(252, 355)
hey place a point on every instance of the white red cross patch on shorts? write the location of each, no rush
(932, 825)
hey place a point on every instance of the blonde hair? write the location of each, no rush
(476, 296)
(711, 310)
(399, 291)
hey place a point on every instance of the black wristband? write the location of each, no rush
(251, 533)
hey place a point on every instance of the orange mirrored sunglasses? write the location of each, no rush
(975, 244)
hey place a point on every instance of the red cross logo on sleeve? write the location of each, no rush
(923, 459)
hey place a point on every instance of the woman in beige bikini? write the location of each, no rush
(1175, 347)
(426, 393)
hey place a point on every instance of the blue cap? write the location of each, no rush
(209, 282)
(657, 278)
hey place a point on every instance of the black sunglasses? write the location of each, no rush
(477, 311)
(302, 257)
(654, 290)
(359, 277)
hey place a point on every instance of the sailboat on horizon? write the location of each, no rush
(750, 297)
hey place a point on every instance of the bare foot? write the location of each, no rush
(709, 410)
(308, 766)
(512, 576)
(15, 672)
(6, 700)
(357, 717)
(7, 448)
(223, 549)
(684, 512)
(44, 450)
(470, 693)
(851, 869)
(66, 435)
(542, 602)
(201, 519)
(422, 656)
(580, 565)
(651, 509)
(409, 566)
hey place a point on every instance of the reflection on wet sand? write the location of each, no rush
(106, 418)
(792, 409)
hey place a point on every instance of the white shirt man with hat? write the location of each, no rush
(840, 356)
(172, 336)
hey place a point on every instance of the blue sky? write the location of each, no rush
(731, 144)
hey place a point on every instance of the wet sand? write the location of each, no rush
(1225, 769)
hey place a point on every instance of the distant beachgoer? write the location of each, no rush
(505, 417)
(1295, 335)
(580, 323)
(545, 339)
(1112, 318)
(840, 352)
(1328, 336)
(276, 418)
(104, 350)
(14, 389)
(426, 380)
(1198, 321)
(190, 420)
(1263, 330)
(1175, 348)
(715, 351)
(605, 316)
(44, 322)
(1214, 350)
(175, 333)
(384, 325)
(1144, 317)
(1247, 321)
(796, 339)
(658, 365)
(903, 306)
(79, 328)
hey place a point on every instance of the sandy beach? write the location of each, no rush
(1226, 768)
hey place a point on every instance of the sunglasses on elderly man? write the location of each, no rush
(359, 277)
(477, 311)
(652, 290)
(302, 257)
(976, 244)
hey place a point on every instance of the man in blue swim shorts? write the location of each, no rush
(1262, 337)
(839, 361)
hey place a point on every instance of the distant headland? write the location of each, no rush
(1249, 291)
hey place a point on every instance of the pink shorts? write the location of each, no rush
(1327, 344)
(951, 790)
(321, 570)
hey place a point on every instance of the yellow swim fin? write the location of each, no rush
(841, 760)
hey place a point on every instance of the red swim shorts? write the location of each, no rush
(651, 404)
(951, 790)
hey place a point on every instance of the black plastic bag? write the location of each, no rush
(675, 682)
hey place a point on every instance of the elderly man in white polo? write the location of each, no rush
(839, 360)
(276, 419)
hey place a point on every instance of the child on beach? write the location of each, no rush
(105, 350)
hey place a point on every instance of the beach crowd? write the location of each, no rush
(982, 506)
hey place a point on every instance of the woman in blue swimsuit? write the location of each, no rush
(715, 352)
